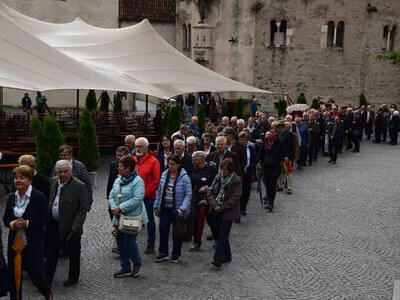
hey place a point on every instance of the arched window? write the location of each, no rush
(340, 35)
(330, 34)
(392, 38)
(274, 30)
(184, 37)
(189, 37)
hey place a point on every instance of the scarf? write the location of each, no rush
(127, 179)
(225, 181)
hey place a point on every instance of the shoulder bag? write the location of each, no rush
(127, 224)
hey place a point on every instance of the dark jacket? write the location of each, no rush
(79, 171)
(41, 183)
(232, 193)
(112, 175)
(240, 150)
(214, 157)
(288, 143)
(315, 132)
(37, 215)
(335, 132)
(73, 205)
(160, 158)
(304, 133)
(356, 129)
(253, 159)
(187, 164)
(271, 159)
(394, 124)
(202, 177)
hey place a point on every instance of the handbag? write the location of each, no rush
(127, 224)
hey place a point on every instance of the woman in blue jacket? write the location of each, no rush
(172, 202)
(126, 197)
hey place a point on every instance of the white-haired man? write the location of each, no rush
(148, 168)
(68, 203)
(130, 143)
(186, 158)
(191, 144)
(194, 125)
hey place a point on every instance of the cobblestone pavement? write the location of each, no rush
(335, 237)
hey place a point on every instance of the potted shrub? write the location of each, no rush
(89, 153)
(239, 108)
(117, 103)
(363, 100)
(201, 115)
(315, 104)
(91, 101)
(301, 99)
(104, 101)
(48, 138)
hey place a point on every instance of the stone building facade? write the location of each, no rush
(324, 48)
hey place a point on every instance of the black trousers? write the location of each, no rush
(72, 248)
(312, 152)
(244, 199)
(199, 214)
(393, 136)
(356, 141)
(270, 186)
(349, 139)
(368, 130)
(378, 134)
(334, 148)
(303, 155)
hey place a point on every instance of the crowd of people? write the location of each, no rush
(193, 179)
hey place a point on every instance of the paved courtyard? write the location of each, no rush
(336, 237)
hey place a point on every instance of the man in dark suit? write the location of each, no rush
(68, 205)
(248, 170)
(356, 131)
(222, 152)
(348, 125)
(335, 133)
(79, 170)
(369, 122)
(236, 147)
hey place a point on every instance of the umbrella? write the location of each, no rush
(259, 186)
(18, 247)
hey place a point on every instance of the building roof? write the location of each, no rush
(158, 11)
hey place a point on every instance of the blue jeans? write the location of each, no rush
(167, 217)
(151, 225)
(128, 250)
(223, 228)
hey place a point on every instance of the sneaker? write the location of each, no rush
(137, 270)
(194, 248)
(161, 258)
(122, 273)
(174, 259)
(149, 250)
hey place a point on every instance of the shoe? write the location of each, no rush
(161, 258)
(334, 162)
(149, 250)
(217, 263)
(122, 273)
(228, 260)
(115, 250)
(174, 259)
(209, 238)
(237, 221)
(244, 213)
(194, 248)
(279, 189)
(269, 208)
(330, 161)
(69, 282)
(137, 270)
(289, 191)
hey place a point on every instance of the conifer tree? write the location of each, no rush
(89, 153)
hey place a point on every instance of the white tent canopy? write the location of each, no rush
(37, 55)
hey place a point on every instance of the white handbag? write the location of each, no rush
(127, 224)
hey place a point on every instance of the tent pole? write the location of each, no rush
(1, 103)
(146, 112)
(77, 108)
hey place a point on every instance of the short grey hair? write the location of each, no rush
(182, 143)
(199, 155)
(63, 163)
(191, 140)
(130, 137)
(144, 140)
(220, 138)
(240, 121)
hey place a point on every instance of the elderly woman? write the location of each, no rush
(270, 158)
(126, 198)
(224, 200)
(26, 216)
(39, 182)
(173, 200)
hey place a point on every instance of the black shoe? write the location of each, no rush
(136, 271)
(122, 273)
(194, 248)
(69, 282)
(174, 258)
(161, 258)
(209, 238)
(244, 213)
(353, 151)
(149, 250)
(330, 161)
(268, 208)
(237, 221)
(228, 260)
(217, 263)
(334, 162)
